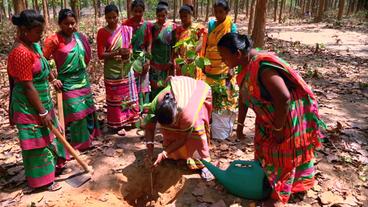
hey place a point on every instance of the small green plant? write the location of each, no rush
(137, 61)
(220, 99)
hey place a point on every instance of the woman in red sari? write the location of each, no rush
(287, 120)
(114, 47)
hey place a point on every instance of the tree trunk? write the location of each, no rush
(25, 4)
(307, 6)
(236, 10)
(302, 2)
(18, 6)
(320, 11)
(207, 10)
(45, 10)
(129, 13)
(74, 6)
(258, 32)
(251, 17)
(65, 3)
(325, 7)
(341, 9)
(53, 9)
(281, 10)
(276, 2)
(175, 10)
(5, 5)
(119, 2)
(247, 8)
(202, 5)
(35, 5)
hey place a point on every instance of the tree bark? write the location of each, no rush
(341, 9)
(247, 8)
(25, 4)
(202, 5)
(207, 10)
(18, 6)
(35, 5)
(65, 3)
(45, 10)
(53, 9)
(129, 12)
(74, 6)
(236, 10)
(251, 17)
(281, 10)
(5, 5)
(320, 11)
(258, 32)
(276, 2)
(325, 7)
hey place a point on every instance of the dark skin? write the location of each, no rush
(220, 14)
(28, 36)
(112, 19)
(275, 85)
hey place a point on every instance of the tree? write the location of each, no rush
(25, 2)
(281, 9)
(341, 9)
(4, 6)
(276, 2)
(45, 12)
(53, 9)
(175, 10)
(290, 6)
(251, 17)
(207, 10)
(74, 6)
(35, 5)
(18, 6)
(236, 10)
(129, 13)
(247, 9)
(258, 32)
(320, 11)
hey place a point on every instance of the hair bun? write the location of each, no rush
(16, 20)
(163, 3)
(191, 7)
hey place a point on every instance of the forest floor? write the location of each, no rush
(338, 75)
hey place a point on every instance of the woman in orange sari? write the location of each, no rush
(183, 110)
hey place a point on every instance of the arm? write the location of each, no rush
(243, 109)
(280, 95)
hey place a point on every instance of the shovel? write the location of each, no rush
(78, 179)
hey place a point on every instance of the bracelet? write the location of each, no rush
(164, 153)
(150, 143)
(278, 129)
(240, 124)
(43, 114)
(53, 81)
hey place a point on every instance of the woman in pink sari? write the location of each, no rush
(183, 111)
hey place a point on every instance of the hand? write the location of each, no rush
(239, 132)
(160, 158)
(58, 85)
(46, 120)
(145, 68)
(125, 53)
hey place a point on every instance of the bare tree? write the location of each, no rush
(18, 6)
(53, 9)
(236, 10)
(276, 2)
(74, 6)
(258, 32)
(207, 10)
(247, 9)
(251, 17)
(45, 10)
(320, 11)
(341, 9)
(5, 6)
(281, 10)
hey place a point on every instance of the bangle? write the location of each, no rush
(150, 143)
(164, 153)
(53, 81)
(278, 129)
(43, 114)
(240, 124)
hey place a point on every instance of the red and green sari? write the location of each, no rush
(42, 153)
(161, 56)
(289, 166)
(121, 90)
(194, 101)
(71, 60)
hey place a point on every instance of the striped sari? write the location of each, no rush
(120, 83)
(194, 101)
(42, 153)
(289, 166)
(81, 122)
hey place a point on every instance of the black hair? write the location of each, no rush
(186, 8)
(28, 18)
(166, 110)
(65, 13)
(222, 3)
(162, 6)
(111, 8)
(235, 42)
(138, 3)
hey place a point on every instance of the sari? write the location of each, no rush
(289, 165)
(217, 72)
(81, 124)
(42, 154)
(161, 56)
(120, 83)
(181, 34)
(141, 42)
(194, 101)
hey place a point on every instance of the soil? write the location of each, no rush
(121, 179)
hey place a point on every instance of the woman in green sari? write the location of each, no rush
(72, 53)
(31, 107)
(162, 42)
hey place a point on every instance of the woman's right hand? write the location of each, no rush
(46, 120)
(58, 85)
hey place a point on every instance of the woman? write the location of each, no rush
(72, 53)
(31, 107)
(141, 42)
(161, 63)
(113, 46)
(287, 121)
(217, 73)
(183, 110)
(189, 31)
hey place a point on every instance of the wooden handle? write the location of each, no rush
(69, 148)
(59, 101)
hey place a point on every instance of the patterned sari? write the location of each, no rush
(289, 166)
(141, 41)
(42, 153)
(182, 33)
(161, 56)
(217, 72)
(121, 90)
(194, 101)
(81, 122)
